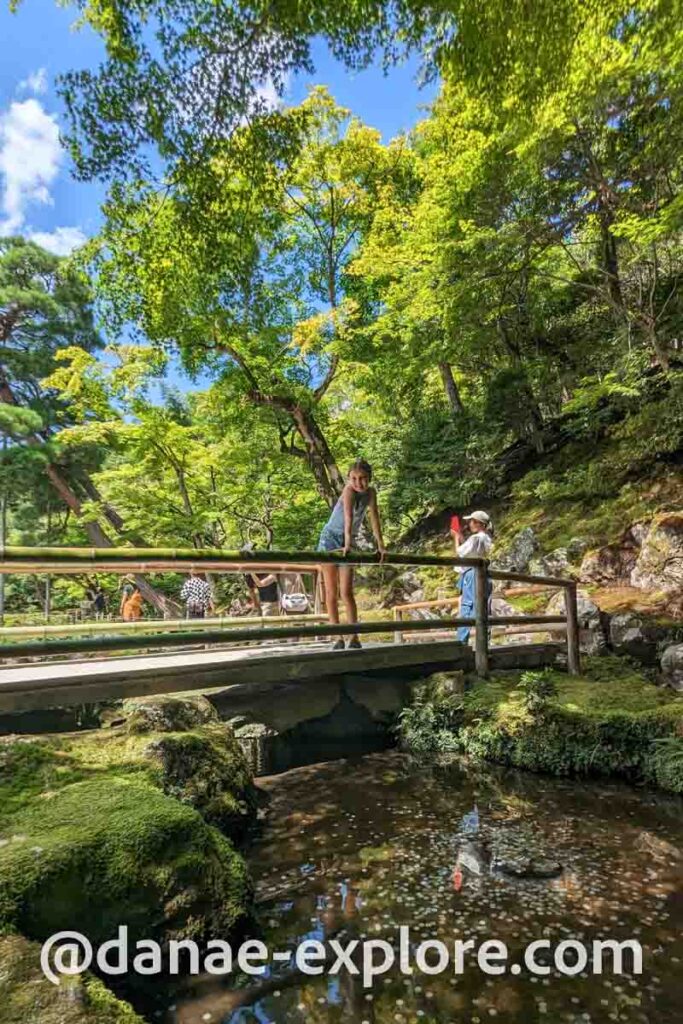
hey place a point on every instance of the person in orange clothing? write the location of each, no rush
(132, 606)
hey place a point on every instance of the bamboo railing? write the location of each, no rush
(525, 624)
(15, 560)
(149, 625)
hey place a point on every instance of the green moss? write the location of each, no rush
(97, 854)
(204, 768)
(596, 488)
(605, 722)
(667, 763)
(27, 997)
(104, 828)
(528, 604)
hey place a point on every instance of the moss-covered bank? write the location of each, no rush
(610, 721)
(26, 997)
(126, 826)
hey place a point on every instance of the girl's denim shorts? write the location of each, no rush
(330, 540)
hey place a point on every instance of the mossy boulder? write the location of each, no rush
(610, 721)
(105, 828)
(643, 637)
(27, 997)
(162, 713)
(660, 562)
(206, 768)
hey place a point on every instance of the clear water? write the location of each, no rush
(358, 848)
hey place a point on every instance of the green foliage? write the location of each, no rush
(537, 688)
(427, 725)
(607, 722)
(487, 308)
(666, 765)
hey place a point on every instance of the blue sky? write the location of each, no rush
(39, 198)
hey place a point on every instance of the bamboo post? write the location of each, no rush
(572, 612)
(481, 614)
(398, 617)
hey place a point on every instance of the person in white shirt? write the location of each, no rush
(479, 544)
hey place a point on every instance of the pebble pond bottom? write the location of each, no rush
(356, 848)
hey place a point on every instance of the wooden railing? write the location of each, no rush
(570, 620)
(21, 560)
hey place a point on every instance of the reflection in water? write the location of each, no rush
(356, 849)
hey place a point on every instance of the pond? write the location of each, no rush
(358, 848)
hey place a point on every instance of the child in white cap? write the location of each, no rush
(479, 544)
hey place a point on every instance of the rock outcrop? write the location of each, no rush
(593, 624)
(519, 552)
(672, 667)
(649, 555)
(640, 637)
(403, 589)
(659, 565)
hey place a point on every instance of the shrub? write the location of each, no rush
(611, 721)
(666, 763)
(538, 688)
(429, 725)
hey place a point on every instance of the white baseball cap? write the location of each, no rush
(481, 517)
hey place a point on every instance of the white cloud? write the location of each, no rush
(61, 241)
(35, 83)
(30, 156)
(268, 94)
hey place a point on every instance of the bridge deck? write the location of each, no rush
(30, 687)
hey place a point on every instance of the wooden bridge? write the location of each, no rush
(248, 652)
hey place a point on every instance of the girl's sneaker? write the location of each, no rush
(355, 644)
(339, 645)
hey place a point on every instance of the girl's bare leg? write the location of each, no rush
(346, 587)
(331, 581)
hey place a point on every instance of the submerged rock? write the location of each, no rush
(474, 856)
(530, 868)
(27, 997)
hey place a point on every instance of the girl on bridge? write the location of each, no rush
(341, 532)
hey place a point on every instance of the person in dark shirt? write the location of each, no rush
(265, 592)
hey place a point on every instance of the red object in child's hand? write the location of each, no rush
(455, 524)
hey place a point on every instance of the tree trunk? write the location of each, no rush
(535, 416)
(610, 260)
(451, 389)
(93, 529)
(328, 478)
(660, 351)
(101, 540)
(110, 514)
